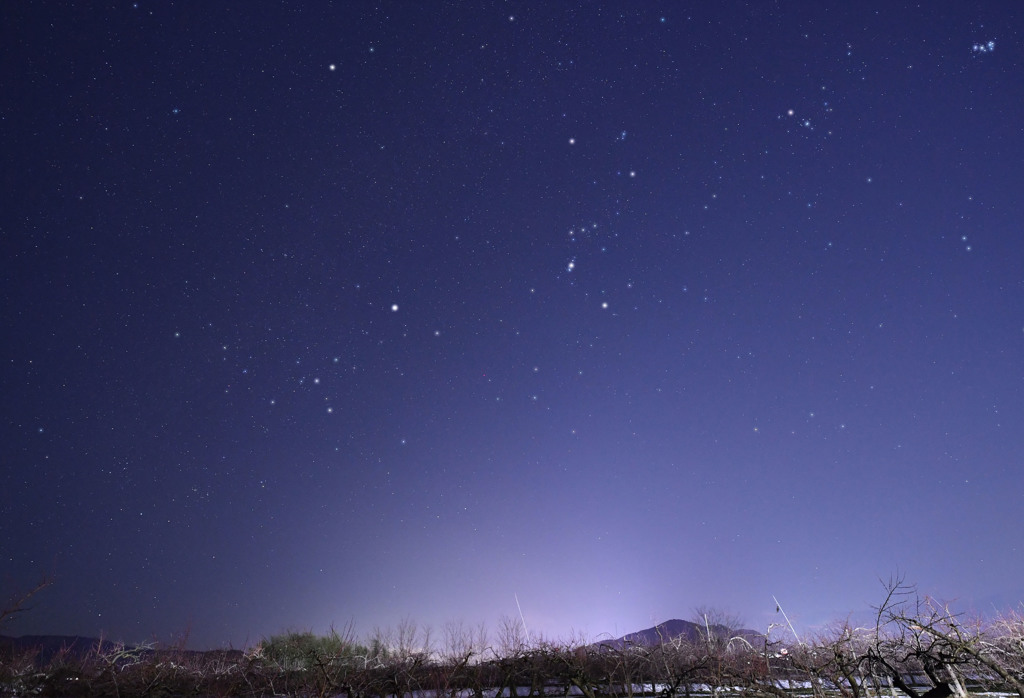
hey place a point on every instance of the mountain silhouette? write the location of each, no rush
(673, 629)
(46, 647)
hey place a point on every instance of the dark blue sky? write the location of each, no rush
(317, 312)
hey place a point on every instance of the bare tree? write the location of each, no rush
(628, 666)
(450, 668)
(679, 664)
(456, 642)
(512, 639)
(18, 603)
(946, 643)
(407, 637)
(836, 657)
(1003, 644)
(717, 624)
(915, 635)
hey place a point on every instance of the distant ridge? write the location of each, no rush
(49, 646)
(675, 628)
(44, 648)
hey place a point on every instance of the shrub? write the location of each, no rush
(305, 650)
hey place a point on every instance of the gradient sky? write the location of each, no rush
(324, 312)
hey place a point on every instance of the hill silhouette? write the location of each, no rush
(675, 628)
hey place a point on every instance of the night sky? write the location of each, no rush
(322, 313)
